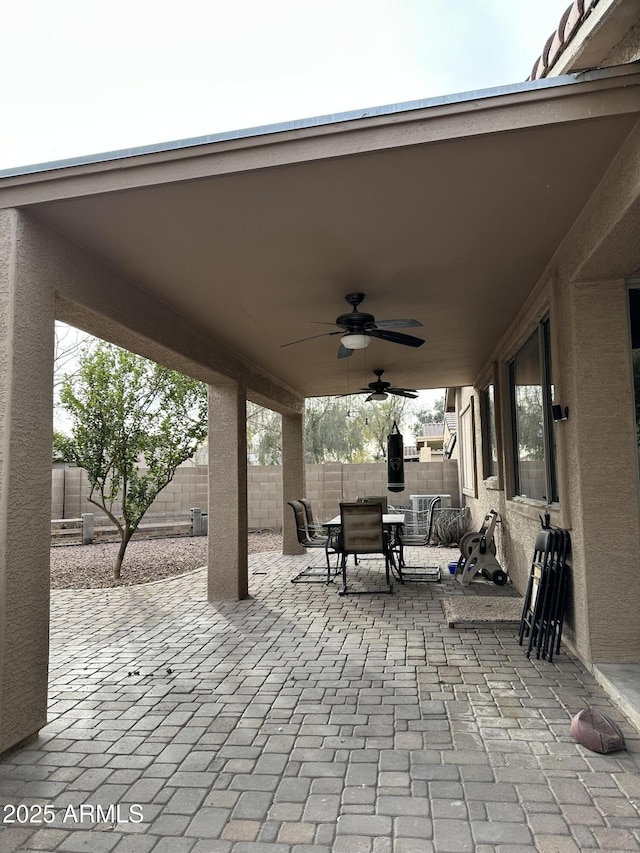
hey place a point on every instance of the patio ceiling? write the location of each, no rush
(447, 212)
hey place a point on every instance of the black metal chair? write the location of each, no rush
(362, 532)
(312, 527)
(306, 538)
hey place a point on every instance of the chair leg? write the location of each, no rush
(315, 574)
(343, 591)
(387, 570)
(312, 574)
(416, 573)
(396, 567)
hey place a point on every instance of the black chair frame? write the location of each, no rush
(348, 543)
(306, 538)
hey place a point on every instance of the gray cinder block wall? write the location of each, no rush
(70, 492)
(326, 486)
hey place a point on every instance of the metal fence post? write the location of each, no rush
(87, 528)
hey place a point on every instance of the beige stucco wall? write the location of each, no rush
(603, 484)
(26, 393)
(627, 49)
(585, 294)
(518, 524)
(597, 471)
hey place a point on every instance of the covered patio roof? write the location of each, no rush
(447, 211)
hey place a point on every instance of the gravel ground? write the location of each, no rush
(91, 566)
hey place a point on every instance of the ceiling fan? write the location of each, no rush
(357, 329)
(380, 390)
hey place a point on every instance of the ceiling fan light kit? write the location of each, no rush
(355, 341)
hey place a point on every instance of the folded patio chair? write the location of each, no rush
(306, 538)
(545, 598)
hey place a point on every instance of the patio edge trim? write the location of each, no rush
(318, 121)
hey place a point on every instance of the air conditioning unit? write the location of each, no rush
(420, 503)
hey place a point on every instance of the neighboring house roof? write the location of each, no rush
(429, 430)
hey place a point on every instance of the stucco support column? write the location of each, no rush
(228, 577)
(27, 314)
(603, 465)
(292, 478)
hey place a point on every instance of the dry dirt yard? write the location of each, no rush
(146, 560)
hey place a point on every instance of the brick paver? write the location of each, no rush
(300, 721)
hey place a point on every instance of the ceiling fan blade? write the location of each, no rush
(323, 335)
(400, 393)
(404, 390)
(343, 352)
(353, 393)
(396, 337)
(396, 324)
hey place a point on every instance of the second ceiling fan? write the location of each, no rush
(357, 328)
(380, 390)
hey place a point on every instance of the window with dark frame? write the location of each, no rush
(468, 450)
(488, 429)
(634, 316)
(531, 389)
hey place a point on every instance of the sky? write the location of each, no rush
(81, 78)
(84, 77)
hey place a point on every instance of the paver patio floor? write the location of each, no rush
(300, 721)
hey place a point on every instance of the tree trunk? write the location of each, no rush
(126, 536)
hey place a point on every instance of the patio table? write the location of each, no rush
(390, 520)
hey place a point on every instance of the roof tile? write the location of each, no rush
(568, 26)
(573, 20)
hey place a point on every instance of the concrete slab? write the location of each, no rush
(622, 683)
(477, 610)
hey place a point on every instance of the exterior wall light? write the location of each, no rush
(355, 341)
(558, 413)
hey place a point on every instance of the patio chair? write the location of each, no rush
(306, 538)
(362, 532)
(312, 527)
(417, 534)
